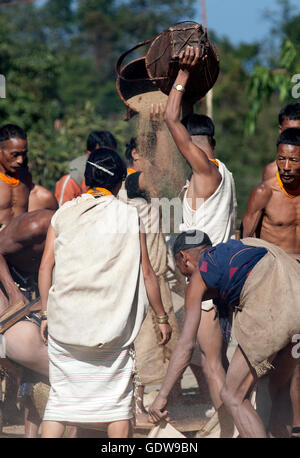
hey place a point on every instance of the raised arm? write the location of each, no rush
(153, 291)
(195, 156)
(257, 202)
(183, 350)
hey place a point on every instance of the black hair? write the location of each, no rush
(289, 137)
(190, 239)
(129, 147)
(101, 138)
(290, 111)
(9, 131)
(199, 125)
(115, 167)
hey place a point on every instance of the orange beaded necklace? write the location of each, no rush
(11, 181)
(99, 191)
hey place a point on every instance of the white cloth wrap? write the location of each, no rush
(98, 295)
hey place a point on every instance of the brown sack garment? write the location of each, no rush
(270, 303)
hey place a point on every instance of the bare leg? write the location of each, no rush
(202, 383)
(119, 429)
(282, 391)
(141, 415)
(295, 397)
(52, 429)
(25, 346)
(239, 379)
(211, 342)
(115, 430)
(32, 419)
(11, 413)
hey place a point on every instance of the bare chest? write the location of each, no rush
(13, 201)
(283, 211)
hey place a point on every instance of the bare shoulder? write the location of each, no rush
(261, 194)
(42, 198)
(269, 171)
(264, 189)
(40, 191)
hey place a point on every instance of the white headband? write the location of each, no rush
(101, 168)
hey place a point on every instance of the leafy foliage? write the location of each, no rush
(59, 56)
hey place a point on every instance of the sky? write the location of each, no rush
(240, 20)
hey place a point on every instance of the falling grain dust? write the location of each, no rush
(158, 155)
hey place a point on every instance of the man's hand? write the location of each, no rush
(188, 58)
(166, 332)
(44, 331)
(157, 112)
(15, 297)
(157, 411)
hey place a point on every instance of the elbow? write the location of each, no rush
(166, 117)
(148, 274)
(185, 353)
(169, 117)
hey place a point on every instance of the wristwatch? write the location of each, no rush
(178, 87)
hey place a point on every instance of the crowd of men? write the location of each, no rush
(205, 252)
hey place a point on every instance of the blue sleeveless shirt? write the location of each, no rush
(226, 267)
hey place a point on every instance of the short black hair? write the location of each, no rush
(115, 169)
(290, 111)
(289, 137)
(190, 239)
(129, 147)
(9, 131)
(198, 124)
(101, 138)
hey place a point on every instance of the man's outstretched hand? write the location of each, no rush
(157, 411)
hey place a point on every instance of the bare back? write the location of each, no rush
(203, 185)
(41, 198)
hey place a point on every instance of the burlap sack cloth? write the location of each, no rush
(165, 431)
(152, 359)
(270, 303)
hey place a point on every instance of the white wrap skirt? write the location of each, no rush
(89, 385)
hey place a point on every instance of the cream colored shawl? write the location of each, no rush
(98, 295)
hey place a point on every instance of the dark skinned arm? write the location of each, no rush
(195, 156)
(153, 291)
(45, 277)
(257, 202)
(12, 239)
(182, 353)
(22, 232)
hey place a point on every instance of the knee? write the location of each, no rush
(229, 399)
(211, 366)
